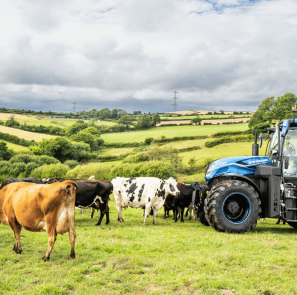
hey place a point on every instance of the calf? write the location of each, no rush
(38, 207)
(142, 192)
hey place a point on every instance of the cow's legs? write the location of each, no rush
(143, 213)
(92, 212)
(72, 236)
(155, 216)
(147, 212)
(182, 214)
(119, 208)
(101, 217)
(165, 212)
(51, 231)
(107, 214)
(17, 234)
(81, 211)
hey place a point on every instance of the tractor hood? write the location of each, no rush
(235, 166)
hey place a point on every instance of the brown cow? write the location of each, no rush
(39, 207)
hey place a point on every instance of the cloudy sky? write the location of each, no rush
(132, 54)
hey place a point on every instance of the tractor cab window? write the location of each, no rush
(289, 151)
(273, 144)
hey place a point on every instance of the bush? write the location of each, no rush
(85, 171)
(71, 163)
(207, 161)
(158, 169)
(40, 160)
(138, 158)
(148, 140)
(50, 171)
(30, 167)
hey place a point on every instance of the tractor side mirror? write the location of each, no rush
(286, 160)
(274, 154)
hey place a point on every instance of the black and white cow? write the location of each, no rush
(91, 193)
(28, 179)
(142, 192)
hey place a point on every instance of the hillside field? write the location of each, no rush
(170, 132)
(170, 258)
(203, 117)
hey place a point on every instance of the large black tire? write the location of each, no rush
(201, 217)
(293, 224)
(232, 206)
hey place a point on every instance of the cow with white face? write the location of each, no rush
(142, 192)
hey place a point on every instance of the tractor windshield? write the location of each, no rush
(289, 150)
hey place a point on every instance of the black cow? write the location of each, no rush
(184, 200)
(91, 193)
(28, 179)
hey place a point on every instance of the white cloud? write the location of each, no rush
(215, 53)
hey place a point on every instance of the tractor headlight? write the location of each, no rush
(209, 169)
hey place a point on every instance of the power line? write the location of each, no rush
(175, 101)
(74, 107)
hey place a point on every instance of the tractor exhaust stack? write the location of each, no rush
(255, 147)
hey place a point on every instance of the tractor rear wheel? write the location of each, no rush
(293, 224)
(232, 206)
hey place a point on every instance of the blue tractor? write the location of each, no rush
(241, 190)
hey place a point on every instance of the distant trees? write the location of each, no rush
(5, 153)
(271, 108)
(196, 120)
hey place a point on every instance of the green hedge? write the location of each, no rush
(50, 171)
(92, 169)
(230, 133)
(123, 144)
(228, 139)
(158, 169)
(16, 140)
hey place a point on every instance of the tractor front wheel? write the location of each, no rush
(232, 206)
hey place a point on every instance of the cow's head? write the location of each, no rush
(171, 187)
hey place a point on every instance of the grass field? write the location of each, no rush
(170, 258)
(203, 117)
(24, 134)
(115, 151)
(221, 151)
(16, 147)
(169, 132)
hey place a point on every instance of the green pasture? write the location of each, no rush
(115, 151)
(221, 151)
(169, 258)
(171, 131)
(204, 117)
(16, 147)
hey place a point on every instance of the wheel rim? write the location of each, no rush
(236, 208)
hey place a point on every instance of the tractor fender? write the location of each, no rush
(220, 178)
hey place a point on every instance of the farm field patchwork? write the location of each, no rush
(170, 132)
(24, 134)
(170, 258)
